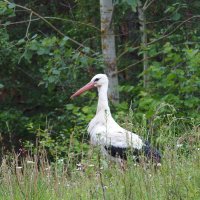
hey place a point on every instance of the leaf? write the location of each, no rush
(34, 36)
(63, 41)
(34, 45)
(56, 71)
(1, 86)
(21, 41)
(86, 109)
(7, 23)
(143, 94)
(69, 106)
(66, 38)
(171, 76)
(42, 51)
(86, 49)
(132, 3)
(131, 49)
(51, 79)
(169, 9)
(27, 55)
(11, 5)
(176, 16)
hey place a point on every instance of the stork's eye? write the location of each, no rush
(96, 79)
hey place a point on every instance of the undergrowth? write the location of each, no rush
(35, 178)
(91, 176)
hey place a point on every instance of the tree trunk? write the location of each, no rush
(143, 30)
(108, 48)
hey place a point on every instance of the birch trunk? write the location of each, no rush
(143, 30)
(108, 48)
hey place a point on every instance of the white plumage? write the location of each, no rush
(104, 131)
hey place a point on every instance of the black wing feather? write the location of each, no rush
(149, 152)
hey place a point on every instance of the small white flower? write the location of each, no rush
(30, 162)
(159, 165)
(60, 161)
(179, 145)
(79, 165)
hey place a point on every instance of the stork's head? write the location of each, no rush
(97, 81)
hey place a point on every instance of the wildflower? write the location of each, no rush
(179, 145)
(80, 167)
(159, 165)
(30, 162)
(105, 187)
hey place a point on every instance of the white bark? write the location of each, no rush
(143, 30)
(108, 48)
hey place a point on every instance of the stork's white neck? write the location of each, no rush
(103, 99)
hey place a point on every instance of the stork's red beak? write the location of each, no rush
(88, 86)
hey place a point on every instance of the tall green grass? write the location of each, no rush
(177, 178)
(34, 178)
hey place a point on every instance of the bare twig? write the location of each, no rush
(162, 37)
(175, 29)
(147, 4)
(164, 19)
(29, 23)
(50, 24)
(53, 18)
(91, 38)
(129, 66)
(154, 41)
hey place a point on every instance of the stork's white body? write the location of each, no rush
(108, 132)
(103, 129)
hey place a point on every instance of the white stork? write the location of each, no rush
(114, 140)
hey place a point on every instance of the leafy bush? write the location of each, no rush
(41, 69)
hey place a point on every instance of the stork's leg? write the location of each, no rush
(123, 164)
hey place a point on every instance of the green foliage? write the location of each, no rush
(40, 70)
(7, 9)
(132, 3)
(176, 80)
(8, 53)
(62, 64)
(177, 178)
(64, 137)
(10, 121)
